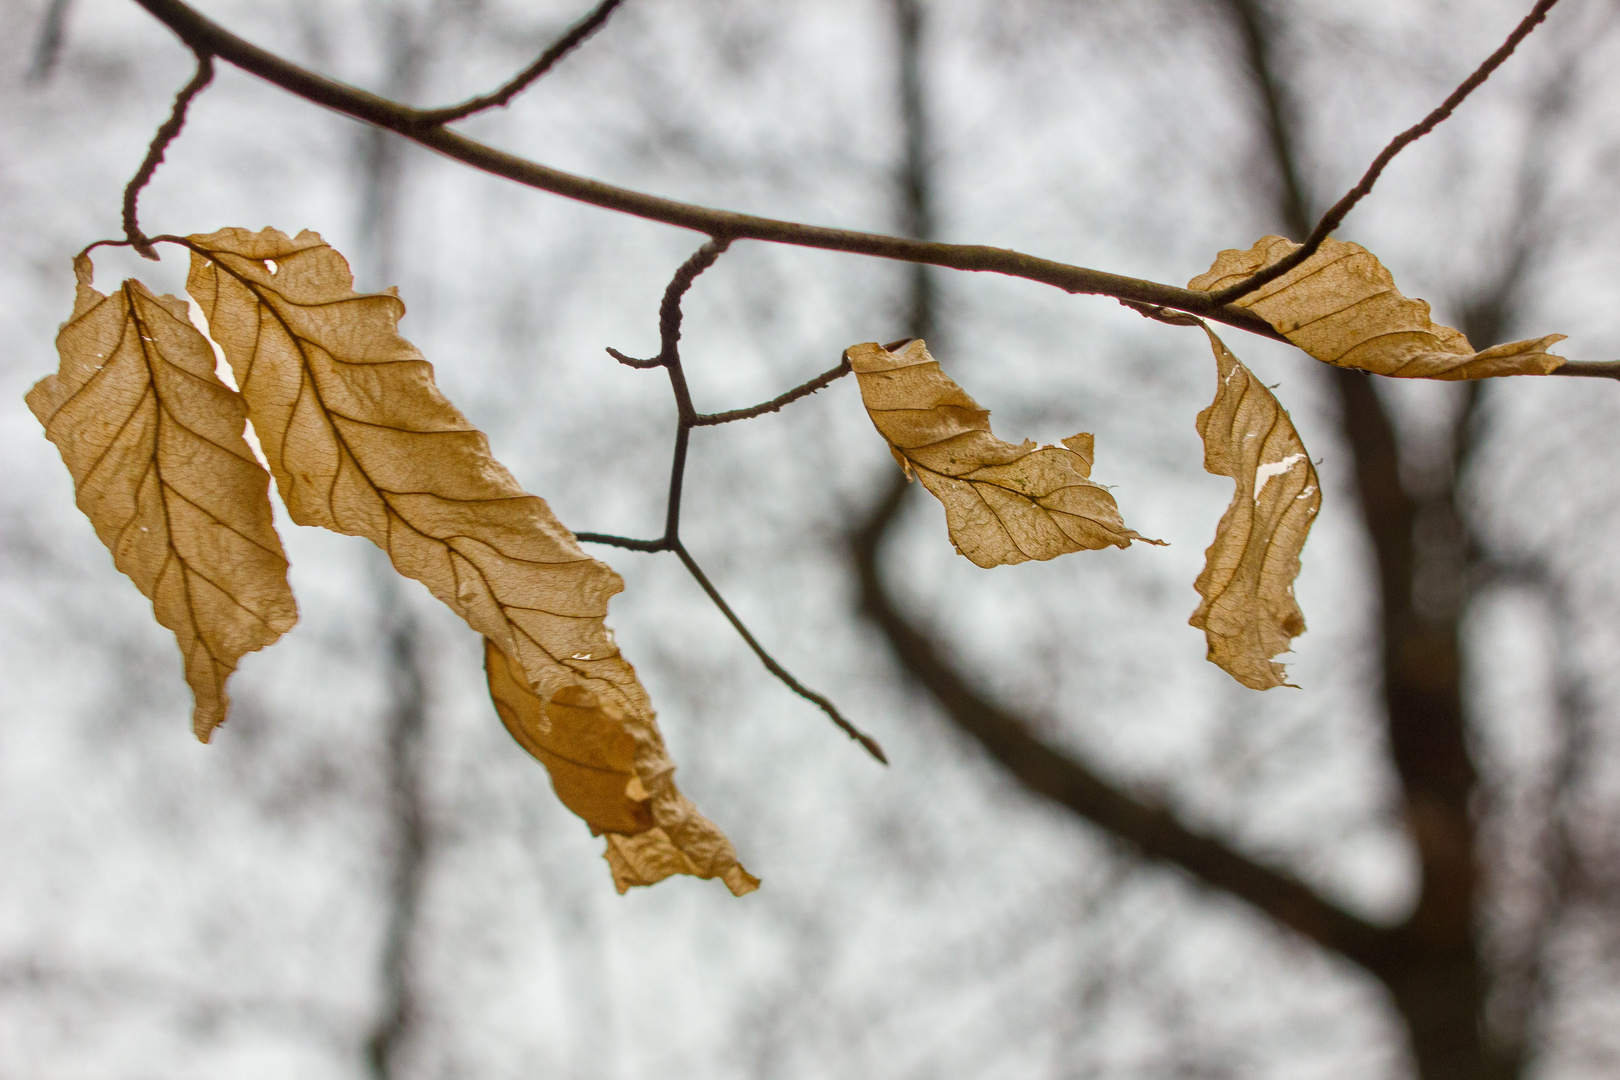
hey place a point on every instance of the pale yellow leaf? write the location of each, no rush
(361, 441)
(1003, 503)
(1248, 612)
(154, 442)
(1341, 306)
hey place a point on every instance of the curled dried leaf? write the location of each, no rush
(613, 771)
(154, 441)
(361, 441)
(1341, 306)
(1004, 504)
(1248, 612)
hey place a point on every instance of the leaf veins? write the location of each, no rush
(361, 441)
(1004, 504)
(154, 442)
(1341, 306)
(1248, 612)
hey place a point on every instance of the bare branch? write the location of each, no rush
(622, 541)
(1591, 369)
(1336, 214)
(670, 317)
(574, 37)
(204, 35)
(770, 663)
(154, 154)
(826, 378)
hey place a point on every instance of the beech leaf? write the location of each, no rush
(1341, 306)
(1248, 612)
(154, 442)
(361, 441)
(617, 776)
(1004, 504)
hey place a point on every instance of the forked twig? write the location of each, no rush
(1337, 213)
(165, 135)
(572, 39)
(670, 317)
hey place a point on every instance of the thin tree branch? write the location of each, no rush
(670, 317)
(1590, 369)
(770, 663)
(204, 35)
(776, 404)
(622, 541)
(1065, 780)
(631, 361)
(574, 37)
(1336, 214)
(669, 355)
(166, 134)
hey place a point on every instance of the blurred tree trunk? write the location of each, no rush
(1430, 963)
(382, 168)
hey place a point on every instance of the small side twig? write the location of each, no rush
(631, 361)
(154, 154)
(770, 663)
(776, 404)
(622, 541)
(1337, 213)
(571, 39)
(670, 317)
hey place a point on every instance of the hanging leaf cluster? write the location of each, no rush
(1007, 504)
(359, 440)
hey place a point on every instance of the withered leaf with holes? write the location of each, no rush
(1248, 612)
(1003, 503)
(361, 441)
(1341, 306)
(154, 442)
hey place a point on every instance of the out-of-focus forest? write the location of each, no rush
(1094, 853)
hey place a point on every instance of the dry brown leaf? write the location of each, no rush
(618, 778)
(1248, 612)
(154, 442)
(1003, 504)
(360, 441)
(1341, 306)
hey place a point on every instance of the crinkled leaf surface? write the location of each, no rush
(1341, 306)
(1003, 503)
(360, 441)
(1248, 612)
(154, 442)
(617, 777)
